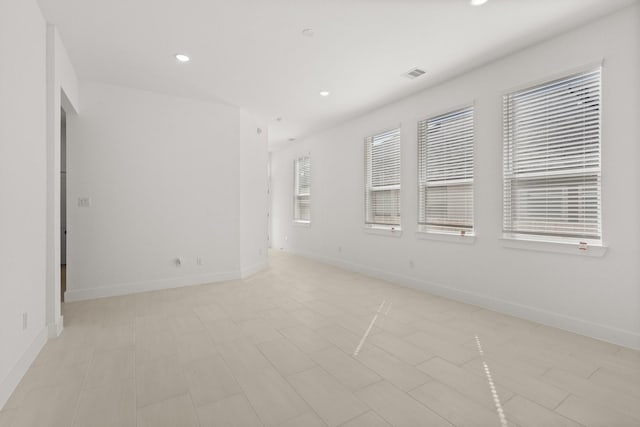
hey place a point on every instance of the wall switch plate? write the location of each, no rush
(199, 261)
(84, 202)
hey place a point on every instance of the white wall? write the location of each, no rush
(590, 295)
(162, 175)
(23, 194)
(253, 194)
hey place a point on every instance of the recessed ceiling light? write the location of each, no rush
(325, 93)
(308, 32)
(182, 57)
(477, 2)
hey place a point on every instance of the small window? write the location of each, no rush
(552, 160)
(445, 173)
(382, 179)
(302, 190)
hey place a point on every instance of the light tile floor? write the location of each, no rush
(278, 349)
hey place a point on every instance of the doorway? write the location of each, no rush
(63, 203)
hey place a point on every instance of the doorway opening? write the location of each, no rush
(63, 203)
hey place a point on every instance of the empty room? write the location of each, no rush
(319, 213)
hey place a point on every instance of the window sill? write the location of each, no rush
(468, 239)
(305, 224)
(570, 248)
(382, 230)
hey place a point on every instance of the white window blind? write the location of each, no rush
(382, 178)
(302, 189)
(552, 159)
(445, 172)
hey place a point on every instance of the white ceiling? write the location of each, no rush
(251, 53)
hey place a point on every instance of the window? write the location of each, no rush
(302, 190)
(382, 179)
(445, 173)
(552, 160)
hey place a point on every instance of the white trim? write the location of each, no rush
(253, 269)
(300, 223)
(55, 328)
(566, 72)
(569, 248)
(468, 238)
(151, 285)
(383, 230)
(385, 130)
(442, 112)
(62, 91)
(13, 378)
(598, 331)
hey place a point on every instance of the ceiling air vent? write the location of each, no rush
(414, 73)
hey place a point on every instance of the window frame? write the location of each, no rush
(452, 234)
(547, 242)
(298, 196)
(376, 227)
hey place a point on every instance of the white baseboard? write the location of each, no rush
(55, 328)
(580, 326)
(153, 285)
(12, 380)
(253, 269)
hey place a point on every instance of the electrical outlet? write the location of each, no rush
(199, 261)
(84, 202)
(25, 321)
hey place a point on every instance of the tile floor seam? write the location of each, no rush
(594, 372)
(135, 371)
(242, 392)
(410, 396)
(173, 396)
(545, 372)
(433, 410)
(359, 415)
(569, 394)
(298, 415)
(361, 364)
(84, 379)
(507, 400)
(308, 403)
(193, 405)
(571, 419)
(469, 395)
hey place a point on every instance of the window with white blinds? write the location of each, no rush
(302, 189)
(552, 160)
(445, 173)
(382, 178)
